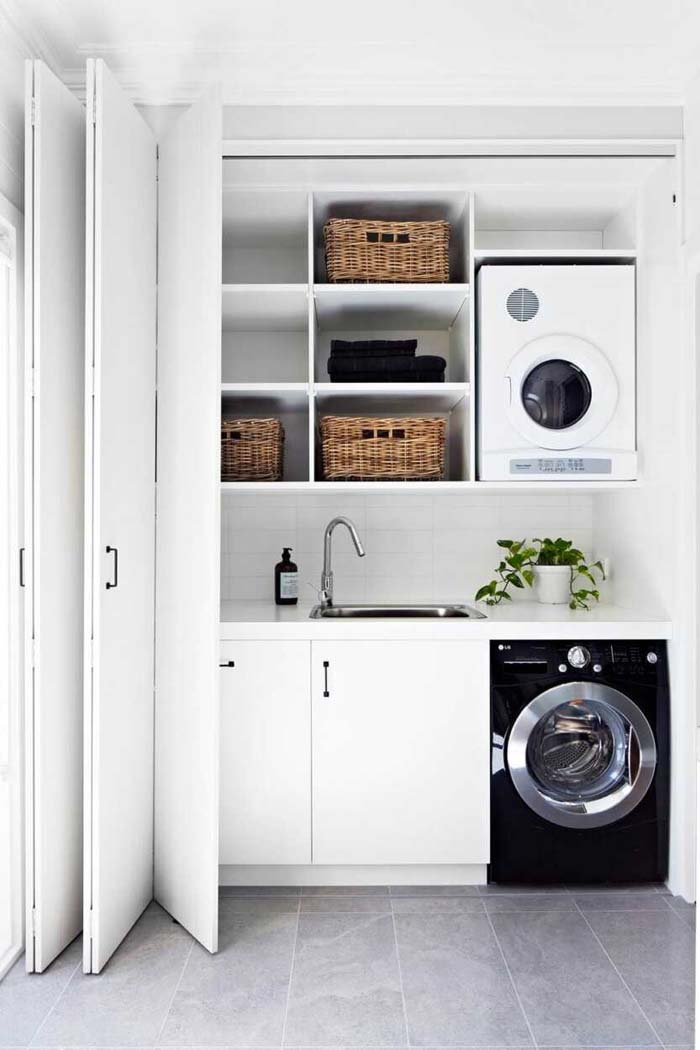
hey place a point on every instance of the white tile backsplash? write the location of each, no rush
(420, 546)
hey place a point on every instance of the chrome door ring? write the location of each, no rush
(591, 813)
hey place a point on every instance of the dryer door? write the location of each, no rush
(563, 392)
(581, 755)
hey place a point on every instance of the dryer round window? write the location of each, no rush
(561, 392)
(556, 394)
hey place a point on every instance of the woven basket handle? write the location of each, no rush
(383, 432)
(374, 237)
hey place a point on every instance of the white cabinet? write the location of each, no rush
(265, 813)
(400, 752)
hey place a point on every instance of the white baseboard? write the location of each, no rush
(353, 875)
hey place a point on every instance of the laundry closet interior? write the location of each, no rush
(206, 298)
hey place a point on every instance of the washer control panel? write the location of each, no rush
(644, 660)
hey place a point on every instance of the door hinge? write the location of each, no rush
(88, 924)
(32, 382)
(32, 112)
(33, 922)
(32, 651)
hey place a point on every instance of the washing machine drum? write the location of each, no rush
(581, 755)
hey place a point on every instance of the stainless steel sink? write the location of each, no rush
(370, 612)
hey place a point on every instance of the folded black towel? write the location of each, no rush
(373, 347)
(423, 369)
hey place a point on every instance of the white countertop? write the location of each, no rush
(517, 620)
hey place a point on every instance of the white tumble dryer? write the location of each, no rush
(556, 371)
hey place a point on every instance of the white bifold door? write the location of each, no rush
(153, 351)
(53, 559)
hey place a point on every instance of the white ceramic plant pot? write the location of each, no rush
(552, 584)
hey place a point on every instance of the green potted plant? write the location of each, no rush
(558, 571)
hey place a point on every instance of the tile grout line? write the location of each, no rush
(617, 971)
(166, 1015)
(55, 1002)
(291, 971)
(510, 976)
(678, 915)
(398, 963)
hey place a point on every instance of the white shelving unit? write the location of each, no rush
(280, 314)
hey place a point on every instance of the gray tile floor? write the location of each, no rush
(382, 967)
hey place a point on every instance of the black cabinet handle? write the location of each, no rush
(325, 678)
(115, 581)
(21, 566)
(229, 663)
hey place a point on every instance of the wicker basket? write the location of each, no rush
(251, 449)
(371, 448)
(374, 250)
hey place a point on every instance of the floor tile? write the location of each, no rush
(344, 891)
(655, 955)
(371, 905)
(237, 997)
(620, 901)
(434, 891)
(568, 987)
(496, 889)
(499, 903)
(442, 905)
(126, 1004)
(259, 891)
(456, 986)
(26, 999)
(683, 909)
(345, 988)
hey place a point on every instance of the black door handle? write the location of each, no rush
(325, 678)
(229, 663)
(115, 581)
(21, 566)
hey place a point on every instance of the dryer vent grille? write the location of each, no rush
(522, 304)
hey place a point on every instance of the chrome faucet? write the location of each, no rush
(326, 595)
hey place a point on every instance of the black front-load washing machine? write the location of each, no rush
(579, 762)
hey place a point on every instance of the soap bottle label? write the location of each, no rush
(289, 587)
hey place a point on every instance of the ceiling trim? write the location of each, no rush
(169, 89)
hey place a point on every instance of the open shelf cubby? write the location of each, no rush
(448, 400)
(289, 403)
(265, 235)
(394, 205)
(436, 315)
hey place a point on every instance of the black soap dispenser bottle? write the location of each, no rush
(286, 580)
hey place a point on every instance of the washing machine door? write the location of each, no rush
(581, 755)
(562, 392)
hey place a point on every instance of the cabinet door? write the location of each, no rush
(189, 521)
(53, 417)
(400, 752)
(265, 753)
(120, 516)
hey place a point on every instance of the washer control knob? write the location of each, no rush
(597, 668)
(563, 668)
(652, 658)
(578, 656)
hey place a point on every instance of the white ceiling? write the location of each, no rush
(378, 51)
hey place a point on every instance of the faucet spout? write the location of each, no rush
(327, 575)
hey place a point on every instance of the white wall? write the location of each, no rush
(13, 52)
(420, 546)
